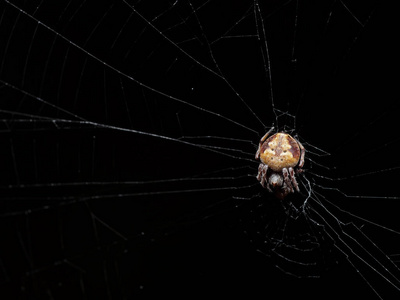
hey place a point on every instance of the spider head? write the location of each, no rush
(275, 180)
(278, 186)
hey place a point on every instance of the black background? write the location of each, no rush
(336, 79)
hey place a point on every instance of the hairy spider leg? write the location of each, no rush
(293, 178)
(262, 176)
(287, 179)
(303, 152)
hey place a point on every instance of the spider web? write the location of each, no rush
(128, 137)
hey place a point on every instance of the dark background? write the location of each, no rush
(334, 83)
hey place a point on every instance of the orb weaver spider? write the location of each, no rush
(281, 157)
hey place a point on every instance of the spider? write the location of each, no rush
(281, 156)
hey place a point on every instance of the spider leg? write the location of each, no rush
(268, 186)
(262, 142)
(258, 153)
(264, 180)
(266, 135)
(303, 152)
(293, 179)
(260, 171)
(262, 176)
(287, 179)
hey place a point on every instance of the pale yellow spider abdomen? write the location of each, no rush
(280, 151)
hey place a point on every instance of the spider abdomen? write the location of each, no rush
(280, 151)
